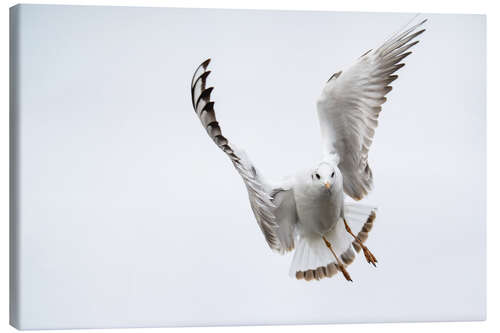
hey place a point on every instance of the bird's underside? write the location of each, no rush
(348, 110)
(346, 258)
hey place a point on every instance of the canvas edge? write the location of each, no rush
(14, 293)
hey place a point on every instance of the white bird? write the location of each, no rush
(306, 211)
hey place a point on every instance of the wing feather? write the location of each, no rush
(350, 104)
(274, 215)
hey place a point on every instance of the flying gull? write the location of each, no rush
(306, 212)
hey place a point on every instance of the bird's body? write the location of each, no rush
(308, 212)
(318, 208)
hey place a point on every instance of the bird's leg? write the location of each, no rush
(339, 263)
(368, 255)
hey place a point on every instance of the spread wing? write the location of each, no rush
(349, 106)
(267, 203)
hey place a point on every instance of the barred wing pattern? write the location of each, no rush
(259, 192)
(349, 106)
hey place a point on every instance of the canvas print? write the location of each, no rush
(192, 167)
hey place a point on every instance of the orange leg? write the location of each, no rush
(368, 255)
(339, 263)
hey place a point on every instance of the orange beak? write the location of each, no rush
(327, 185)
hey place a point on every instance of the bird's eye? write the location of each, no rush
(333, 174)
(317, 176)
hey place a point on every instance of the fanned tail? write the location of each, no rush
(313, 260)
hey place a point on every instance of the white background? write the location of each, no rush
(400, 83)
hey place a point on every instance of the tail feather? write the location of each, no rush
(313, 260)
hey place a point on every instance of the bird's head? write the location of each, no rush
(326, 176)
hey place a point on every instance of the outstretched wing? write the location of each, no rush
(349, 106)
(277, 231)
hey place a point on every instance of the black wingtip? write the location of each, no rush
(205, 63)
(208, 107)
(203, 76)
(205, 95)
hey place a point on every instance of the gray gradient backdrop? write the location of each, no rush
(128, 215)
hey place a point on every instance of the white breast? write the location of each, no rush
(318, 210)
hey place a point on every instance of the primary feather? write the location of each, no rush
(349, 106)
(277, 230)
